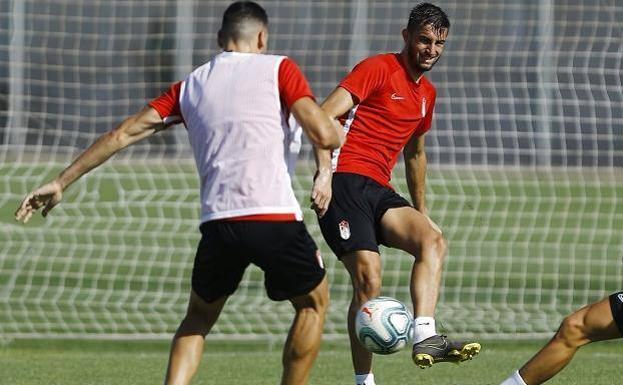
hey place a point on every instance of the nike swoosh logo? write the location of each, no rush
(396, 97)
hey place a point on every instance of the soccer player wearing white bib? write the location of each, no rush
(599, 321)
(235, 109)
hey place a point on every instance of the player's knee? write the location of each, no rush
(321, 297)
(572, 330)
(195, 323)
(200, 315)
(195, 314)
(441, 245)
(365, 277)
(436, 243)
(368, 286)
(316, 300)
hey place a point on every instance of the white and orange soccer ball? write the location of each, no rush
(384, 325)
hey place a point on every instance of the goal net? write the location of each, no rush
(524, 174)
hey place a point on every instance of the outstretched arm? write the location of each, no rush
(335, 105)
(130, 131)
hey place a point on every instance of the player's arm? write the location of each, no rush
(415, 167)
(323, 131)
(335, 105)
(297, 97)
(130, 131)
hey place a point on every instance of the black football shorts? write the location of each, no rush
(283, 250)
(353, 220)
(616, 304)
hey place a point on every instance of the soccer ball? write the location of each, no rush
(384, 325)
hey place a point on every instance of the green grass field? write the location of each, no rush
(102, 363)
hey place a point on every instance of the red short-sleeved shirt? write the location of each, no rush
(392, 107)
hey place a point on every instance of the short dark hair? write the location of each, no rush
(427, 14)
(237, 14)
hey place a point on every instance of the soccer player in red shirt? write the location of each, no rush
(235, 108)
(386, 105)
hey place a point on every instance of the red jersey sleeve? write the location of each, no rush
(367, 76)
(427, 122)
(168, 105)
(292, 83)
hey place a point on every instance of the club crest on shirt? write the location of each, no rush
(344, 229)
(423, 107)
(620, 297)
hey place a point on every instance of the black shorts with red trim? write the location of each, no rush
(616, 304)
(353, 220)
(283, 250)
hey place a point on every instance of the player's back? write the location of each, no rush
(239, 135)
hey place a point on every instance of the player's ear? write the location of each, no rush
(262, 40)
(405, 35)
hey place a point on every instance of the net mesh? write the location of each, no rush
(524, 162)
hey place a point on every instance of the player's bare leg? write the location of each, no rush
(303, 343)
(364, 268)
(589, 324)
(409, 230)
(187, 345)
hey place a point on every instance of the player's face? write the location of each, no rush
(425, 47)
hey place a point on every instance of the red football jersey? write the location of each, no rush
(392, 107)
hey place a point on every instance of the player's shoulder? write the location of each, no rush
(225, 58)
(387, 58)
(204, 69)
(384, 61)
(271, 58)
(269, 61)
(427, 85)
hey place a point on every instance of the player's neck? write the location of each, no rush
(241, 47)
(415, 74)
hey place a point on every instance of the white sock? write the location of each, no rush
(514, 379)
(364, 379)
(424, 328)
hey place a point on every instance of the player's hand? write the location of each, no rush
(46, 196)
(321, 192)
